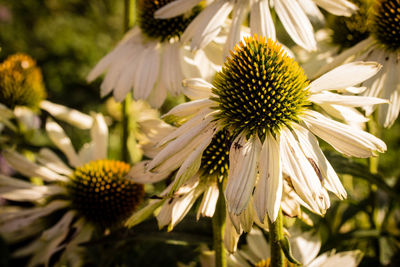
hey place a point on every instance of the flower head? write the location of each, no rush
(87, 193)
(21, 82)
(162, 29)
(305, 248)
(383, 47)
(262, 100)
(150, 60)
(293, 15)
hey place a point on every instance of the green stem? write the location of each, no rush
(128, 23)
(373, 168)
(218, 224)
(276, 234)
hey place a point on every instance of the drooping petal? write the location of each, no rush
(345, 139)
(62, 141)
(311, 148)
(304, 177)
(30, 169)
(243, 158)
(268, 194)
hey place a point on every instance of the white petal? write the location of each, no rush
(350, 115)
(171, 68)
(157, 95)
(30, 169)
(196, 88)
(257, 244)
(192, 163)
(43, 248)
(387, 114)
(311, 148)
(99, 134)
(50, 160)
(13, 224)
(345, 56)
(296, 23)
(139, 174)
(189, 108)
(207, 24)
(345, 100)
(344, 76)
(243, 158)
(330, 259)
(231, 237)
(261, 22)
(305, 246)
(302, 174)
(238, 16)
(175, 8)
(345, 139)
(72, 116)
(19, 190)
(200, 132)
(268, 194)
(338, 7)
(147, 73)
(312, 11)
(62, 141)
(209, 201)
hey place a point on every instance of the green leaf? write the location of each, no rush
(285, 245)
(348, 166)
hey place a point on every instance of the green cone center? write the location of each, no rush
(162, 29)
(215, 159)
(100, 193)
(260, 88)
(21, 82)
(386, 23)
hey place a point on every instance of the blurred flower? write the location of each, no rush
(150, 60)
(261, 101)
(305, 247)
(292, 14)
(75, 198)
(21, 91)
(382, 46)
(21, 82)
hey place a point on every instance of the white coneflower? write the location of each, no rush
(383, 46)
(262, 99)
(150, 60)
(86, 193)
(292, 14)
(305, 248)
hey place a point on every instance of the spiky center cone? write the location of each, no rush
(348, 31)
(215, 159)
(162, 29)
(101, 194)
(260, 88)
(21, 82)
(386, 23)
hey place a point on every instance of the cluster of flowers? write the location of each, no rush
(247, 137)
